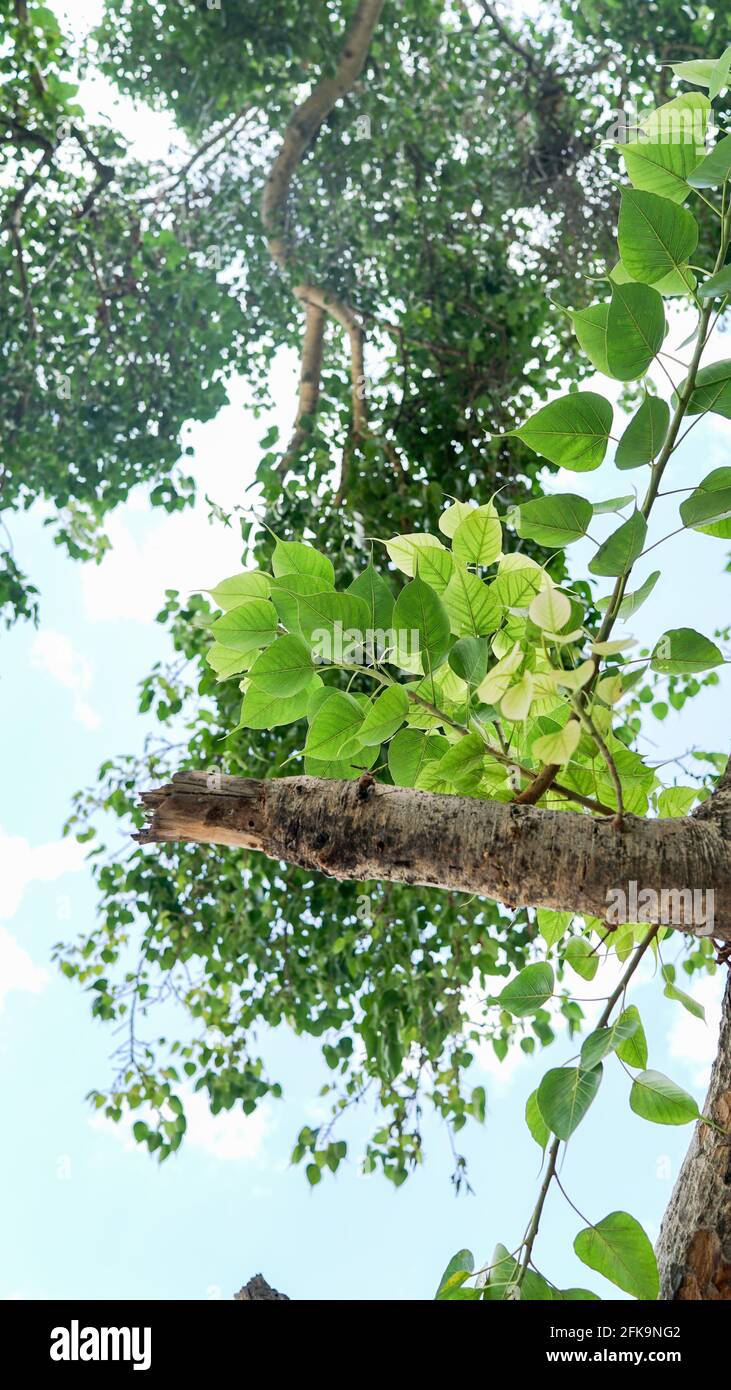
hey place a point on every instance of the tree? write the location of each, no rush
(529, 653)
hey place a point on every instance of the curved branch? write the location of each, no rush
(301, 131)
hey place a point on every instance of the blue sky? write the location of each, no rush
(86, 1213)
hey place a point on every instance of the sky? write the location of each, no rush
(89, 1214)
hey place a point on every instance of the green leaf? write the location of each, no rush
(373, 589)
(716, 285)
(463, 764)
(335, 625)
(564, 1096)
(618, 1248)
(682, 651)
(287, 590)
(678, 282)
(251, 624)
(425, 555)
(633, 1050)
(712, 390)
(655, 1097)
(226, 661)
(478, 538)
(575, 1296)
(559, 747)
(535, 1121)
(553, 925)
(528, 992)
(645, 434)
(676, 801)
(334, 731)
(554, 521)
(468, 659)
(611, 504)
(284, 668)
(473, 607)
(631, 602)
(715, 168)
(582, 959)
(459, 1268)
(504, 1270)
(385, 716)
(655, 236)
(670, 144)
(621, 549)
(671, 991)
(409, 751)
(590, 327)
(263, 711)
(720, 75)
(635, 330)
(572, 431)
(709, 507)
(602, 1041)
(418, 609)
(249, 584)
(295, 557)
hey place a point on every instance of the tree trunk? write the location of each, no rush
(676, 871)
(694, 1249)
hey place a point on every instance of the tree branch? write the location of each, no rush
(519, 855)
(302, 130)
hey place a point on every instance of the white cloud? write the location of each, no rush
(228, 1135)
(17, 970)
(22, 864)
(690, 1040)
(55, 654)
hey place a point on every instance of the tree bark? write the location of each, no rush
(519, 855)
(694, 1249)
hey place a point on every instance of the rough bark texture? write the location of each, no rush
(258, 1291)
(519, 855)
(694, 1249)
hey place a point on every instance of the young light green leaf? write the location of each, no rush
(582, 959)
(423, 554)
(478, 538)
(682, 651)
(550, 610)
(452, 516)
(572, 431)
(692, 1006)
(656, 237)
(618, 1248)
(560, 746)
(226, 661)
(564, 1096)
(645, 434)
(620, 550)
(528, 992)
(553, 925)
(517, 700)
(655, 1097)
(676, 801)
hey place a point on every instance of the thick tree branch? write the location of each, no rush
(694, 1249)
(302, 129)
(519, 855)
